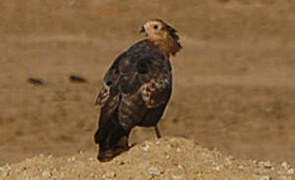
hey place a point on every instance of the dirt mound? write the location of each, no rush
(167, 158)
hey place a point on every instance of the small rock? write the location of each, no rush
(109, 175)
(267, 164)
(121, 163)
(177, 173)
(285, 165)
(8, 167)
(177, 176)
(167, 156)
(290, 171)
(5, 171)
(180, 166)
(154, 171)
(71, 159)
(265, 178)
(46, 174)
(217, 168)
(228, 162)
(178, 150)
(241, 166)
(145, 147)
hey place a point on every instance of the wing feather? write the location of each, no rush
(103, 95)
(156, 91)
(138, 80)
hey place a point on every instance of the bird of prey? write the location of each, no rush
(136, 88)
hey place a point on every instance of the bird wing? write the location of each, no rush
(141, 78)
(110, 82)
(145, 83)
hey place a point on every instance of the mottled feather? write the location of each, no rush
(103, 95)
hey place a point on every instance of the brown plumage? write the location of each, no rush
(136, 88)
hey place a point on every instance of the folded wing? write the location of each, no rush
(139, 80)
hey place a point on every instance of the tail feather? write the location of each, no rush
(112, 140)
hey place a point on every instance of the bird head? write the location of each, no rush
(158, 30)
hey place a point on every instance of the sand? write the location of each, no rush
(166, 158)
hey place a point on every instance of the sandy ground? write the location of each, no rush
(234, 79)
(167, 158)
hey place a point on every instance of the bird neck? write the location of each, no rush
(168, 45)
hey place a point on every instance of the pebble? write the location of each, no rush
(167, 156)
(180, 166)
(285, 165)
(217, 168)
(228, 162)
(177, 176)
(154, 171)
(145, 147)
(177, 172)
(46, 174)
(290, 171)
(265, 178)
(267, 164)
(109, 175)
(72, 159)
(241, 167)
(5, 171)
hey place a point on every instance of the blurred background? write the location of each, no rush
(234, 79)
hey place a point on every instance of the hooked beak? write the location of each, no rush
(142, 30)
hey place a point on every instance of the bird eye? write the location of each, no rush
(156, 27)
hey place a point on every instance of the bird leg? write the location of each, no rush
(158, 134)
